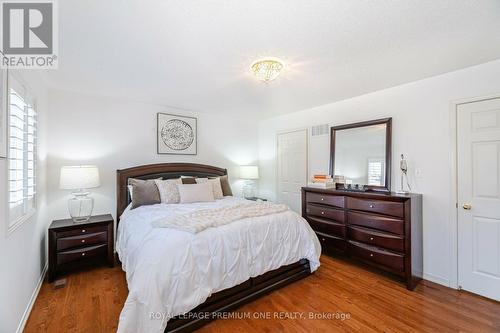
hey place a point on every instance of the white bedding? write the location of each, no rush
(170, 272)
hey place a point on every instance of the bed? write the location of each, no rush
(179, 281)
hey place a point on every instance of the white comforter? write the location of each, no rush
(170, 272)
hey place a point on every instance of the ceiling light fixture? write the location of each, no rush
(267, 69)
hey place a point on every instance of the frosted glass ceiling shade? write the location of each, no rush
(249, 172)
(79, 177)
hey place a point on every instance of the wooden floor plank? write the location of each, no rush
(92, 300)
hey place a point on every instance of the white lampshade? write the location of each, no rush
(79, 177)
(249, 172)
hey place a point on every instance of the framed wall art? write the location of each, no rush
(176, 134)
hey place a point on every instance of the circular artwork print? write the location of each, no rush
(177, 134)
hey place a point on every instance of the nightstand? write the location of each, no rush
(75, 244)
(256, 199)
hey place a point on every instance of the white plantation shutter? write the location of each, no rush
(22, 152)
(375, 171)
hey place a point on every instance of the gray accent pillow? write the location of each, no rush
(144, 192)
(226, 188)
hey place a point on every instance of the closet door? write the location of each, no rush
(292, 167)
(478, 138)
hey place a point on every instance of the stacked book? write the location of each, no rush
(322, 181)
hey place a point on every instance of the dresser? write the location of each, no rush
(76, 244)
(382, 230)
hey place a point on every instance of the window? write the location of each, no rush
(22, 153)
(375, 171)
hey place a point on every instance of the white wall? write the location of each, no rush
(116, 134)
(421, 130)
(23, 253)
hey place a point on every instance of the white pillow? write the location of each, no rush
(169, 194)
(196, 192)
(216, 187)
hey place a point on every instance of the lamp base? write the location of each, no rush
(80, 207)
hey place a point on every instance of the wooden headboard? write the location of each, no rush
(151, 171)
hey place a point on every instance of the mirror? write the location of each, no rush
(361, 155)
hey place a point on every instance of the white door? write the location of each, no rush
(292, 167)
(478, 138)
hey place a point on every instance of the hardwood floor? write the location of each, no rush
(92, 300)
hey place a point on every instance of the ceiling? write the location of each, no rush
(195, 55)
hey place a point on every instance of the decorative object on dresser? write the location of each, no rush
(360, 155)
(249, 173)
(75, 245)
(403, 167)
(383, 230)
(79, 178)
(176, 134)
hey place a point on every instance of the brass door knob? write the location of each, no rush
(467, 206)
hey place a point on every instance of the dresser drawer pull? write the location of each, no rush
(83, 230)
(322, 213)
(371, 238)
(372, 206)
(83, 240)
(371, 254)
(83, 254)
(323, 239)
(322, 199)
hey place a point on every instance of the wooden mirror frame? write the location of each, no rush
(388, 149)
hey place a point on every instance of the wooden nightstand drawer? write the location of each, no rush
(81, 230)
(81, 253)
(81, 240)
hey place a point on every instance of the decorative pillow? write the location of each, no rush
(188, 180)
(144, 192)
(196, 192)
(169, 194)
(129, 189)
(215, 182)
(226, 188)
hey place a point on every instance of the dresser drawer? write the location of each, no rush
(326, 199)
(81, 240)
(81, 253)
(326, 212)
(390, 260)
(383, 223)
(370, 237)
(327, 227)
(377, 206)
(81, 231)
(330, 243)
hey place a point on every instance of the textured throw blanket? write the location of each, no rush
(208, 218)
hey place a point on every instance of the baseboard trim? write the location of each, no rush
(27, 312)
(437, 279)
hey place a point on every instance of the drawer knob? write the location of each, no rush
(371, 254)
(83, 240)
(83, 230)
(323, 239)
(322, 213)
(372, 206)
(322, 199)
(83, 254)
(371, 238)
